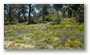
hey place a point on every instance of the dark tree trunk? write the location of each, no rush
(19, 20)
(10, 14)
(29, 18)
(70, 14)
(43, 13)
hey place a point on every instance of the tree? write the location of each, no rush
(6, 10)
(24, 10)
(43, 8)
(10, 8)
(18, 11)
(64, 10)
(70, 10)
(29, 18)
(77, 11)
(80, 13)
(58, 7)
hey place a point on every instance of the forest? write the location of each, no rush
(43, 26)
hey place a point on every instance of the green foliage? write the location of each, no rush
(80, 13)
(77, 11)
(41, 46)
(30, 35)
(9, 38)
(40, 20)
(66, 35)
(42, 13)
(20, 38)
(18, 41)
(73, 44)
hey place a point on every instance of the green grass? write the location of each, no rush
(67, 35)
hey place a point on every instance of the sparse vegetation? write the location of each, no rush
(68, 35)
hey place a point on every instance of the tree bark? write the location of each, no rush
(43, 13)
(70, 14)
(29, 18)
(10, 14)
(19, 20)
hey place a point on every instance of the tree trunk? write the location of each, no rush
(10, 14)
(19, 17)
(70, 14)
(29, 18)
(43, 13)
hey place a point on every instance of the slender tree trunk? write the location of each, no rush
(70, 14)
(29, 18)
(43, 13)
(10, 14)
(19, 20)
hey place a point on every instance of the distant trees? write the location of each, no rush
(24, 10)
(13, 12)
(43, 8)
(77, 11)
(18, 11)
(32, 13)
(6, 10)
(45, 11)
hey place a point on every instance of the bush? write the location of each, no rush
(41, 46)
(73, 44)
(18, 41)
